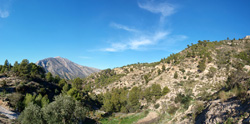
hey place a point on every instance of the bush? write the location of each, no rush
(183, 99)
(182, 70)
(15, 100)
(64, 110)
(175, 75)
(202, 65)
(211, 72)
(223, 96)
(146, 113)
(31, 115)
(156, 91)
(156, 106)
(165, 90)
(159, 71)
(172, 109)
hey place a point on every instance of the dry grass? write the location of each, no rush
(223, 96)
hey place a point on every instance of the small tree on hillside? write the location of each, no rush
(176, 75)
(77, 83)
(49, 77)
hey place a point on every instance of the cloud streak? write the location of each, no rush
(137, 43)
(123, 27)
(165, 9)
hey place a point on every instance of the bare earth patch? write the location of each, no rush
(149, 118)
(8, 113)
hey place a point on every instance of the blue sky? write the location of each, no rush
(113, 33)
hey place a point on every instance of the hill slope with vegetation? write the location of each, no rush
(40, 97)
(182, 86)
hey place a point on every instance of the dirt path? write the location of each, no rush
(149, 118)
(8, 113)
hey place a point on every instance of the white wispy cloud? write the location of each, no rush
(165, 9)
(4, 13)
(137, 43)
(119, 26)
(146, 40)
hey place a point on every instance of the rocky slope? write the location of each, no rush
(201, 71)
(65, 68)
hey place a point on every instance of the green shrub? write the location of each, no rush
(175, 75)
(159, 71)
(15, 100)
(165, 90)
(163, 68)
(32, 114)
(183, 99)
(156, 106)
(64, 110)
(182, 70)
(172, 109)
(202, 65)
(211, 72)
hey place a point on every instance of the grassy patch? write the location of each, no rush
(123, 120)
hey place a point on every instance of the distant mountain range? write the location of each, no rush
(65, 68)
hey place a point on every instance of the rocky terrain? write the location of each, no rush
(65, 68)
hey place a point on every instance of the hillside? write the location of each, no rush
(208, 82)
(29, 95)
(182, 86)
(65, 68)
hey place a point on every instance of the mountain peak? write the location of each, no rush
(65, 68)
(58, 57)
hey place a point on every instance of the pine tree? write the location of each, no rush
(62, 82)
(15, 67)
(24, 68)
(49, 77)
(38, 100)
(77, 83)
(45, 101)
(57, 79)
(156, 91)
(28, 99)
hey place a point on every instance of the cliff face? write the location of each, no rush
(65, 68)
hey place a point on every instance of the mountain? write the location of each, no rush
(65, 68)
